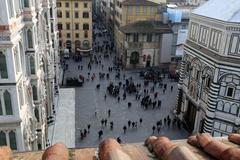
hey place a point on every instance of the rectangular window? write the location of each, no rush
(67, 26)
(145, 10)
(68, 35)
(59, 4)
(76, 15)
(12, 140)
(77, 35)
(3, 66)
(76, 4)
(149, 37)
(59, 14)
(233, 44)
(67, 14)
(85, 15)
(86, 34)
(230, 91)
(85, 26)
(85, 5)
(76, 26)
(67, 4)
(137, 10)
(135, 37)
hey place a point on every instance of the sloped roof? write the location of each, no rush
(134, 151)
(225, 10)
(139, 3)
(146, 27)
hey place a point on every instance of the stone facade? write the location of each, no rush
(28, 72)
(209, 86)
(75, 25)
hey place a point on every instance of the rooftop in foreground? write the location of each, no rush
(134, 151)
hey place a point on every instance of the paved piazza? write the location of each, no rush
(89, 100)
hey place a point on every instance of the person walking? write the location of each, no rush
(159, 103)
(105, 122)
(81, 134)
(119, 140)
(171, 88)
(85, 132)
(100, 133)
(164, 90)
(133, 124)
(158, 129)
(111, 125)
(124, 129)
(129, 123)
(105, 97)
(153, 129)
(140, 121)
(109, 112)
(102, 122)
(89, 126)
(118, 99)
(129, 104)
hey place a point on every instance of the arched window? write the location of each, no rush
(46, 17)
(13, 141)
(34, 92)
(32, 65)
(134, 58)
(36, 112)
(3, 66)
(30, 39)
(26, 3)
(16, 58)
(220, 105)
(3, 140)
(234, 109)
(8, 103)
(227, 107)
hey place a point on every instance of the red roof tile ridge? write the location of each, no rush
(58, 151)
(110, 149)
(166, 150)
(5, 153)
(215, 147)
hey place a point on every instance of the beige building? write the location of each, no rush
(75, 25)
(133, 23)
(146, 44)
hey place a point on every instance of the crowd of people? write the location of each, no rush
(145, 94)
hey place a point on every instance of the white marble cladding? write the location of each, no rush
(209, 87)
(218, 36)
(27, 62)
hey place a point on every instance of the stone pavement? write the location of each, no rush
(89, 100)
(64, 128)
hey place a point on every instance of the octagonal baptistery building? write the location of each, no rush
(209, 86)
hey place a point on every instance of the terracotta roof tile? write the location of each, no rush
(5, 153)
(162, 147)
